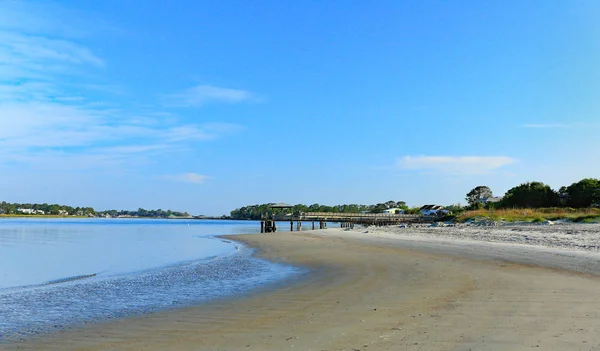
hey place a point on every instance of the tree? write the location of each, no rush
(530, 195)
(390, 204)
(584, 193)
(378, 208)
(478, 193)
(313, 208)
(54, 209)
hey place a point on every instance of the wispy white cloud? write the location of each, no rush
(36, 132)
(571, 125)
(546, 125)
(52, 18)
(202, 94)
(207, 131)
(30, 51)
(456, 165)
(48, 117)
(193, 178)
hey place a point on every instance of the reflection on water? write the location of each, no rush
(54, 273)
(34, 251)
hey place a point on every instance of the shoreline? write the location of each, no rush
(240, 256)
(370, 293)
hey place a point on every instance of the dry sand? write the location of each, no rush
(378, 292)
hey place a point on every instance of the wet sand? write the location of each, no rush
(373, 293)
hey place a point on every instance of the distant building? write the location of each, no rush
(63, 213)
(490, 200)
(433, 210)
(394, 210)
(30, 211)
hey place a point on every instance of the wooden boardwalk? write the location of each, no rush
(268, 224)
(363, 217)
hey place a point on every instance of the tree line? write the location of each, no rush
(144, 213)
(254, 212)
(56, 209)
(582, 194)
(50, 209)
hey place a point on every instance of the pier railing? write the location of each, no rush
(268, 223)
(354, 217)
(333, 215)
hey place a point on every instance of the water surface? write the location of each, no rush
(59, 272)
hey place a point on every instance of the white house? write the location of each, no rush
(30, 211)
(394, 210)
(433, 210)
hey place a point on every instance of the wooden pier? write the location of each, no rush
(268, 223)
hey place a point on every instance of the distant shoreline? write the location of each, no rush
(122, 217)
(39, 216)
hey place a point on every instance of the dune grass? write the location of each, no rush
(585, 215)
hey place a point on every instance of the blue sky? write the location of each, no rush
(205, 106)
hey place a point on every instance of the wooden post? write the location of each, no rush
(262, 226)
(274, 226)
(313, 225)
(299, 226)
(291, 226)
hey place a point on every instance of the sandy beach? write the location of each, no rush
(382, 290)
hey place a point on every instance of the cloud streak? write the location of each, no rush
(456, 165)
(192, 178)
(31, 51)
(35, 132)
(546, 125)
(203, 94)
(49, 122)
(577, 125)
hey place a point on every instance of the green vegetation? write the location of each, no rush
(530, 195)
(44, 209)
(144, 213)
(255, 211)
(533, 215)
(582, 194)
(477, 194)
(55, 210)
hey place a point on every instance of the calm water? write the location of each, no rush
(59, 272)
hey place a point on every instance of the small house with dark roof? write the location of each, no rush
(490, 200)
(433, 210)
